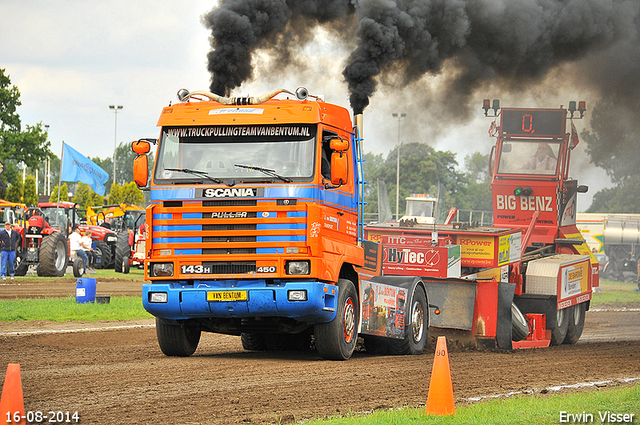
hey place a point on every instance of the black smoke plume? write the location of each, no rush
(512, 43)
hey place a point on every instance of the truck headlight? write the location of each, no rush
(158, 297)
(298, 267)
(297, 295)
(162, 269)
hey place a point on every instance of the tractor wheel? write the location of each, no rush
(53, 255)
(336, 340)
(575, 317)
(78, 267)
(123, 252)
(253, 341)
(126, 266)
(416, 325)
(102, 251)
(21, 266)
(177, 340)
(560, 327)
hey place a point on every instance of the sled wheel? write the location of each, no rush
(576, 323)
(519, 324)
(560, 327)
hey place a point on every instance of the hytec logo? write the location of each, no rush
(409, 256)
(524, 203)
(234, 192)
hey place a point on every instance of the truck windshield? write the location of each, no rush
(420, 208)
(218, 151)
(529, 157)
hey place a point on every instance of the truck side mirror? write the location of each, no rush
(339, 145)
(141, 147)
(583, 188)
(141, 163)
(339, 168)
(140, 170)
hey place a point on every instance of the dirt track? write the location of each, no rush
(119, 375)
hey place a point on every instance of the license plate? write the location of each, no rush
(227, 296)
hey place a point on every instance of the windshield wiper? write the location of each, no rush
(200, 173)
(266, 171)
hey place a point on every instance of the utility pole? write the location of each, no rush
(399, 116)
(115, 138)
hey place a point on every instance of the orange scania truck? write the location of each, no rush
(255, 225)
(255, 228)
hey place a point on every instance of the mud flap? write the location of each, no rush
(456, 302)
(504, 324)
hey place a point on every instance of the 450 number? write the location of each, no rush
(267, 269)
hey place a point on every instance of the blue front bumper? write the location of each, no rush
(189, 301)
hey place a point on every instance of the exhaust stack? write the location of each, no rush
(359, 123)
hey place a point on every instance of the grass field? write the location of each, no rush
(67, 309)
(128, 308)
(615, 293)
(523, 409)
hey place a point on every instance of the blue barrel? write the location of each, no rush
(86, 290)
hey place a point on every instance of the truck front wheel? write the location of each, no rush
(177, 340)
(575, 319)
(336, 340)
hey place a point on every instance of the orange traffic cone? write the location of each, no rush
(12, 402)
(440, 396)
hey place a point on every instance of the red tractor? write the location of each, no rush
(45, 240)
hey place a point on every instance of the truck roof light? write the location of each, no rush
(486, 105)
(582, 107)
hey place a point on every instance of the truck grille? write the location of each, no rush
(231, 267)
(218, 230)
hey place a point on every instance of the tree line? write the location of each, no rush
(23, 151)
(611, 141)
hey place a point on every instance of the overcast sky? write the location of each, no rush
(72, 59)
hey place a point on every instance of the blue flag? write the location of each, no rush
(77, 168)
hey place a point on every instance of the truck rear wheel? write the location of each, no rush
(560, 327)
(177, 340)
(53, 255)
(416, 326)
(575, 319)
(336, 340)
(253, 341)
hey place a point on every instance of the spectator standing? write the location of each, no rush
(9, 241)
(85, 244)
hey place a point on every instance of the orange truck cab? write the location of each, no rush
(253, 224)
